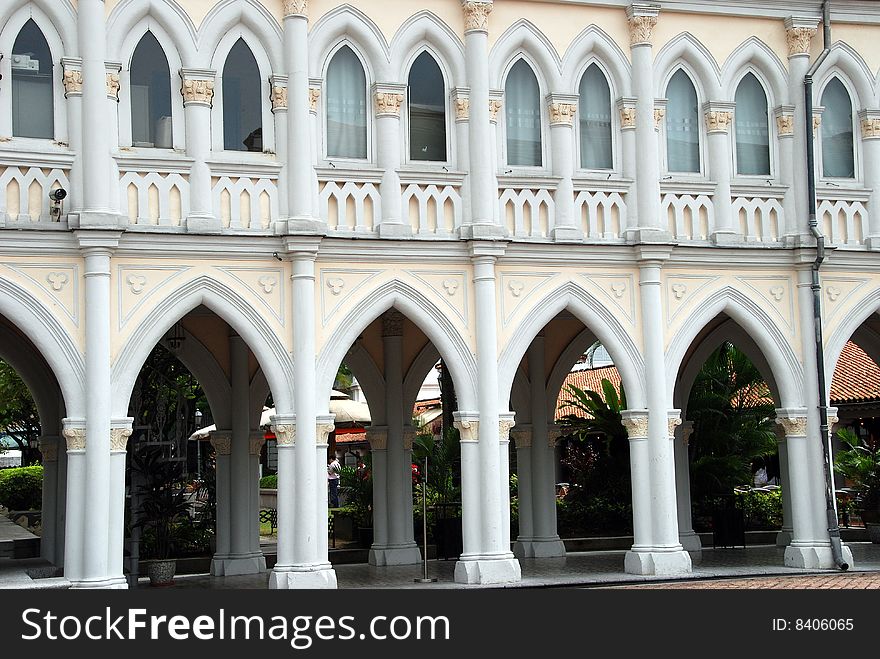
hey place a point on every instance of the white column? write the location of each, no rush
(305, 566)
(73, 83)
(642, 19)
(869, 122)
(120, 431)
(74, 432)
(626, 107)
(96, 248)
(468, 426)
(719, 118)
(284, 427)
(314, 123)
(461, 107)
(113, 70)
(97, 126)
(686, 535)
(522, 438)
(783, 538)
(799, 33)
(784, 116)
(493, 562)
(483, 186)
(387, 100)
(377, 436)
(400, 548)
(221, 440)
(636, 424)
(255, 446)
(49, 536)
(323, 428)
(279, 112)
(505, 423)
(197, 88)
(562, 109)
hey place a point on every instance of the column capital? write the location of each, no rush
(562, 108)
(650, 256)
(278, 95)
(659, 112)
(284, 427)
(869, 120)
(468, 425)
(673, 420)
(818, 111)
(295, 8)
(554, 432)
(522, 435)
(256, 439)
(49, 448)
(476, 16)
(113, 84)
(197, 86)
(626, 106)
(315, 86)
(302, 248)
(72, 78)
(718, 116)
(641, 17)
(496, 100)
(784, 115)
(409, 436)
(636, 423)
(74, 432)
(484, 249)
(687, 429)
(120, 431)
(387, 98)
(799, 32)
(324, 427)
(505, 423)
(461, 103)
(221, 440)
(377, 437)
(392, 323)
(793, 421)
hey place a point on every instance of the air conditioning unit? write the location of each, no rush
(25, 63)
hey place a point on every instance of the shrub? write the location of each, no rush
(270, 481)
(22, 488)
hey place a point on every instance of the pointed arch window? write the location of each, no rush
(752, 127)
(427, 110)
(838, 159)
(522, 101)
(594, 108)
(346, 106)
(682, 125)
(242, 101)
(150, 95)
(33, 112)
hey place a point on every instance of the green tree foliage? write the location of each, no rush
(859, 462)
(18, 411)
(22, 488)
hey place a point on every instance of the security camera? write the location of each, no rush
(58, 194)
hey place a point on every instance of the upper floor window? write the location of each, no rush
(346, 106)
(33, 112)
(838, 159)
(242, 101)
(522, 100)
(752, 125)
(594, 108)
(427, 110)
(682, 125)
(150, 95)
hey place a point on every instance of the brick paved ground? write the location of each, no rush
(864, 580)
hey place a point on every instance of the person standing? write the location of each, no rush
(333, 470)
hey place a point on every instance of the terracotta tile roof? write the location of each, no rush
(351, 438)
(588, 379)
(856, 378)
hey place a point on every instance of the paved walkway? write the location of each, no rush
(846, 581)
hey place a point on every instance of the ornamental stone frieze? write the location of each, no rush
(869, 120)
(476, 16)
(794, 426)
(72, 78)
(718, 116)
(285, 434)
(561, 109)
(119, 439)
(641, 18)
(221, 440)
(295, 7)
(799, 33)
(197, 87)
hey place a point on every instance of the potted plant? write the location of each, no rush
(162, 506)
(357, 486)
(859, 462)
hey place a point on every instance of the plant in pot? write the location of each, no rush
(357, 487)
(859, 462)
(158, 482)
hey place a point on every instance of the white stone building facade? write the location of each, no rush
(633, 173)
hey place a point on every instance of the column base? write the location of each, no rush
(203, 224)
(481, 232)
(815, 557)
(872, 243)
(690, 541)
(648, 236)
(783, 538)
(798, 240)
(567, 234)
(394, 230)
(298, 577)
(539, 548)
(726, 238)
(110, 583)
(381, 556)
(95, 220)
(229, 566)
(308, 226)
(487, 570)
(657, 563)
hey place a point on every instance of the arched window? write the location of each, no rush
(242, 101)
(346, 106)
(427, 110)
(33, 112)
(594, 108)
(752, 124)
(522, 100)
(837, 132)
(150, 95)
(682, 125)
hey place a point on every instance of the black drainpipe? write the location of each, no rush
(825, 439)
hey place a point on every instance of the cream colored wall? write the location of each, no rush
(862, 38)
(842, 295)
(389, 16)
(558, 335)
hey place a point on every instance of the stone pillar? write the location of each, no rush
(784, 116)
(626, 107)
(522, 438)
(74, 432)
(461, 106)
(113, 70)
(221, 440)
(50, 548)
(783, 538)
(255, 446)
(642, 19)
(690, 541)
(73, 84)
(483, 186)
(324, 426)
(314, 96)
(719, 118)
(284, 427)
(561, 110)
(278, 98)
(505, 423)
(799, 33)
(120, 431)
(301, 181)
(377, 436)
(869, 122)
(400, 547)
(636, 424)
(197, 89)
(468, 426)
(306, 566)
(387, 100)
(97, 125)
(488, 560)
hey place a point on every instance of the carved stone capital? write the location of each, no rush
(324, 428)
(72, 78)
(197, 89)
(119, 439)
(641, 19)
(461, 104)
(494, 107)
(869, 121)
(377, 437)
(627, 109)
(522, 436)
(113, 86)
(636, 423)
(49, 449)
(659, 115)
(799, 33)
(784, 120)
(554, 432)
(387, 103)
(221, 440)
(817, 118)
(295, 8)
(255, 442)
(672, 422)
(476, 16)
(314, 95)
(687, 429)
(278, 95)
(718, 117)
(74, 435)
(561, 110)
(505, 423)
(285, 434)
(392, 323)
(794, 426)
(409, 436)
(468, 429)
